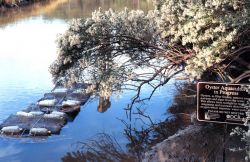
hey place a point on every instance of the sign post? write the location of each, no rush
(223, 102)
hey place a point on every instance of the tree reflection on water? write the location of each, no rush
(140, 139)
(68, 9)
(207, 143)
(102, 148)
(104, 104)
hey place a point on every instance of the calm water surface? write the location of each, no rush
(28, 47)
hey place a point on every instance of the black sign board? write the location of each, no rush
(223, 103)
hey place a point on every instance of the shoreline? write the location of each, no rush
(7, 5)
(198, 142)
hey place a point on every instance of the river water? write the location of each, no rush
(27, 39)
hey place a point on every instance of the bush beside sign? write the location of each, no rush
(222, 102)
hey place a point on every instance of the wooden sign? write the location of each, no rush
(223, 103)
